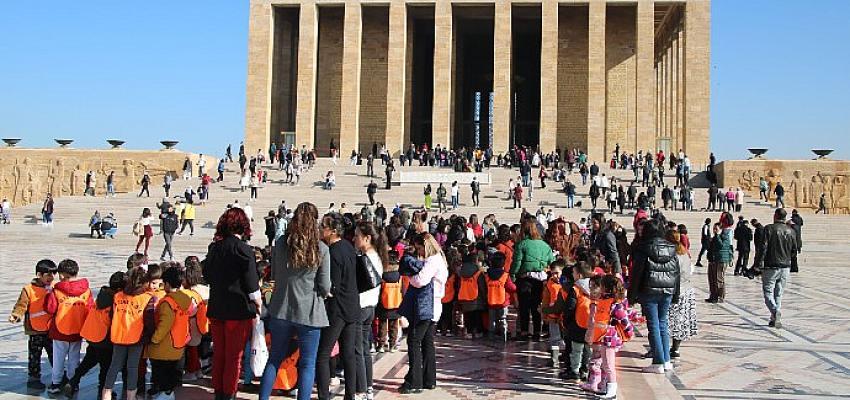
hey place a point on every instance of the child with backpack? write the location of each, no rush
(30, 308)
(68, 303)
(193, 283)
(500, 288)
(472, 295)
(609, 328)
(551, 289)
(96, 331)
(447, 323)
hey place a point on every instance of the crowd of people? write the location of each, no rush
(336, 287)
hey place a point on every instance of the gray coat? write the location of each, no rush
(299, 293)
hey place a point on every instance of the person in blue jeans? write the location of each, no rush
(655, 285)
(301, 272)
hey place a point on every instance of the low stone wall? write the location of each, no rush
(27, 175)
(803, 180)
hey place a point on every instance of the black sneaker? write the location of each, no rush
(404, 389)
(674, 354)
(54, 388)
(570, 376)
(36, 384)
(70, 388)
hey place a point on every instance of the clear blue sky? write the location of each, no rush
(148, 71)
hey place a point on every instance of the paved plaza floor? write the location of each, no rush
(735, 355)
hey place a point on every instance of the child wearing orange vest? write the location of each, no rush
(30, 309)
(500, 287)
(573, 303)
(96, 331)
(171, 335)
(550, 294)
(69, 303)
(153, 277)
(387, 310)
(472, 295)
(446, 325)
(199, 325)
(131, 327)
(608, 329)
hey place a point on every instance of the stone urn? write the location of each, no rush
(822, 153)
(11, 142)
(757, 152)
(116, 143)
(64, 143)
(169, 144)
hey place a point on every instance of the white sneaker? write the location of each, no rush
(653, 369)
(668, 366)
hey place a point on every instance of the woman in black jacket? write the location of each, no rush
(230, 270)
(655, 285)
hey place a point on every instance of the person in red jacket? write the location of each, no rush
(500, 288)
(69, 303)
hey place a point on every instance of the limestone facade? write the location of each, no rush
(634, 73)
(804, 180)
(27, 175)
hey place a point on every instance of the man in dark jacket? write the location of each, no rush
(758, 243)
(743, 238)
(705, 241)
(605, 241)
(780, 247)
(169, 226)
(371, 189)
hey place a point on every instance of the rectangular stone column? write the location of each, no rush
(697, 80)
(549, 76)
(258, 101)
(441, 123)
(596, 81)
(349, 129)
(646, 129)
(305, 106)
(396, 76)
(502, 72)
(680, 103)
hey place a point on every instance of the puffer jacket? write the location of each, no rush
(720, 250)
(530, 256)
(780, 245)
(656, 270)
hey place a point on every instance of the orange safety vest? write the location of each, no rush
(582, 307)
(451, 290)
(180, 328)
(128, 317)
(553, 289)
(469, 287)
(96, 325)
(39, 318)
(391, 295)
(496, 293)
(71, 312)
(287, 373)
(200, 316)
(602, 318)
(405, 283)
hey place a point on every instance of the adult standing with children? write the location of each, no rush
(301, 272)
(230, 269)
(655, 285)
(372, 245)
(531, 257)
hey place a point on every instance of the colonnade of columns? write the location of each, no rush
(680, 112)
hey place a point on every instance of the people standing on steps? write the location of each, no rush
(743, 239)
(371, 189)
(719, 259)
(47, 211)
(146, 181)
(168, 224)
(143, 230)
(475, 186)
(705, 241)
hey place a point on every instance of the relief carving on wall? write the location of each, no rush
(801, 191)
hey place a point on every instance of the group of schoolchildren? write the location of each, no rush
(150, 314)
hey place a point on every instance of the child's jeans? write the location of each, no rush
(388, 332)
(579, 356)
(61, 351)
(555, 335)
(473, 322)
(35, 344)
(499, 322)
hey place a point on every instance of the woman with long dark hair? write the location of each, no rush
(655, 284)
(301, 272)
(372, 244)
(231, 272)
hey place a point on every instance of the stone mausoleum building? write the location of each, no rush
(587, 74)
